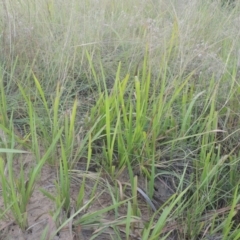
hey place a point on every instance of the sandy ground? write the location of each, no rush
(40, 208)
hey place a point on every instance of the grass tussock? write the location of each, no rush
(129, 114)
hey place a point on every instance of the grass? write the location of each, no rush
(132, 107)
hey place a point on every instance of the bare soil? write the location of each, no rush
(41, 209)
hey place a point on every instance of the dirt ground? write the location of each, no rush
(40, 207)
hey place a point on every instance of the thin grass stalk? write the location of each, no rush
(42, 94)
(228, 223)
(134, 194)
(55, 111)
(187, 115)
(95, 217)
(64, 180)
(43, 160)
(81, 194)
(128, 220)
(32, 123)
(3, 105)
(69, 130)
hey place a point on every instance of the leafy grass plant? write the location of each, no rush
(122, 96)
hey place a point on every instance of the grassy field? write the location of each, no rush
(119, 119)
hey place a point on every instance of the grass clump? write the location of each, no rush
(129, 115)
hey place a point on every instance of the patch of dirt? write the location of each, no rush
(41, 209)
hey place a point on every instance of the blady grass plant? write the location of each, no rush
(132, 117)
(17, 189)
(169, 112)
(126, 120)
